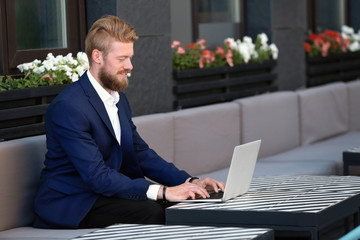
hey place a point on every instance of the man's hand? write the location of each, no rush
(210, 184)
(196, 188)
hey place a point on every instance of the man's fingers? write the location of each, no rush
(212, 183)
(201, 191)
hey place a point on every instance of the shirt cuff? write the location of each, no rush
(152, 191)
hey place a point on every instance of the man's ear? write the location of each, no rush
(96, 56)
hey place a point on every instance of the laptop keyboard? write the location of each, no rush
(213, 195)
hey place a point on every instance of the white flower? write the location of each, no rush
(65, 68)
(59, 60)
(39, 70)
(24, 67)
(59, 68)
(356, 37)
(231, 43)
(355, 46)
(80, 70)
(68, 57)
(50, 56)
(245, 51)
(274, 51)
(74, 77)
(48, 65)
(248, 40)
(264, 39)
(82, 57)
(347, 30)
(21, 67)
(36, 62)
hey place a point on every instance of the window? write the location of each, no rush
(33, 28)
(42, 27)
(328, 14)
(216, 20)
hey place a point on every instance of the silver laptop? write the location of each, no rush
(240, 173)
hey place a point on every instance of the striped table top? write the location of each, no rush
(283, 203)
(288, 193)
(154, 232)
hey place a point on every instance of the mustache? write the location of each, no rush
(124, 72)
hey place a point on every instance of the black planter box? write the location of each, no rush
(196, 87)
(333, 68)
(22, 111)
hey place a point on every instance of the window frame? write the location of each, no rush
(76, 30)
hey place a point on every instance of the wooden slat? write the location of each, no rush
(22, 131)
(22, 112)
(221, 83)
(35, 92)
(191, 73)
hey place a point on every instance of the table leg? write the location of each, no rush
(346, 169)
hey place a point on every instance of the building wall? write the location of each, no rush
(289, 31)
(150, 88)
(180, 12)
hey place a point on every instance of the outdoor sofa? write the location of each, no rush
(303, 132)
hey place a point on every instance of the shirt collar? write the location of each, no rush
(109, 99)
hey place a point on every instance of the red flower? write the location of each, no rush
(325, 49)
(220, 51)
(229, 59)
(202, 43)
(201, 62)
(312, 37)
(345, 45)
(191, 45)
(227, 42)
(181, 51)
(307, 47)
(175, 44)
(334, 35)
(207, 56)
(47, 76)
(318, 42)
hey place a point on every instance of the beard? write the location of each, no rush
(112, 81)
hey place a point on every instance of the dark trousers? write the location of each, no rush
(107, 211)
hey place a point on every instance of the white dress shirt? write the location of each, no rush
(110, 101)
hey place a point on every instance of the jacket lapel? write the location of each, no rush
(96, 102)
(130, 165)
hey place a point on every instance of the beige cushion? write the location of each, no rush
(354, 104)
(274, 118)
(158, 132)
(205, 137)
(21, 162)
(323, 112)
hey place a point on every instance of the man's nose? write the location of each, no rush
(128, 64)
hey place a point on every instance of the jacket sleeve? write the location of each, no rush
(153, 166)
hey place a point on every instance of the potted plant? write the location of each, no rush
(236, 69)
(24, 99)
(332, 56)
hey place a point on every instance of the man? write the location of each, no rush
(96, 162)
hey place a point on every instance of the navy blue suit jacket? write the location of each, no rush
(84, 160)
